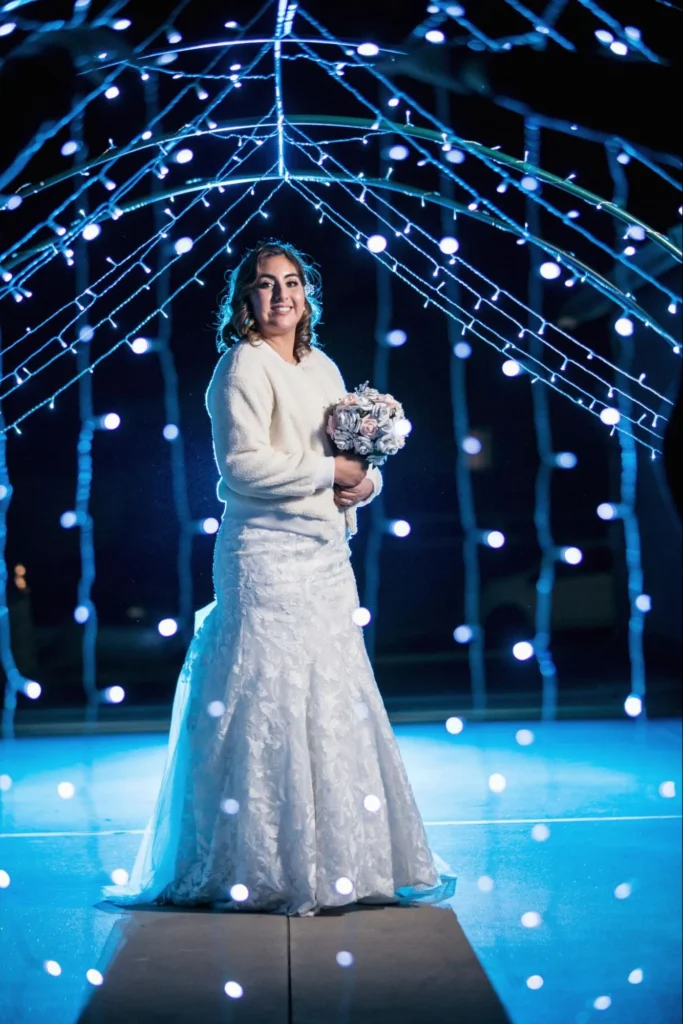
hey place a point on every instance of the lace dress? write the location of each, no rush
(284, 790)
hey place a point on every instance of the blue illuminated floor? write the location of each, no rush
(612, 831)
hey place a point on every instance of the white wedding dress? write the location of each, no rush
(284, 790)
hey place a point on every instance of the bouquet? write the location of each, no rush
(368, 423)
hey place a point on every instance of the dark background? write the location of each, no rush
(421, 577)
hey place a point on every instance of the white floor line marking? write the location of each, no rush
(555, 821)
(49, 835)
(477, 821)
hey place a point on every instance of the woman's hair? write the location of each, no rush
(236, 321)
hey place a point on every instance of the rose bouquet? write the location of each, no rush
(367, 423)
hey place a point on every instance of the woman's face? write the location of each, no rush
(277, 298)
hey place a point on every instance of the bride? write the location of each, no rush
(283, 790)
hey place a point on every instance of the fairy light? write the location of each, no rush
(14, 680)
(377, 243)
(628, 479)
(190, 129)
(85, 613)
(624, 327)
(486, 159)
(167, 366)
(141, 324)
(470, 632)
(15, 683)
(128, 264)
(519, 357)
(385, 338)
(545, 581)
(587, 352)
(523, 650)
(49, 130)
(406, 274)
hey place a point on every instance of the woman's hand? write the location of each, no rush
(349, 470)
(346, 497)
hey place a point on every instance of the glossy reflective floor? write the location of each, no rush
(566, 839)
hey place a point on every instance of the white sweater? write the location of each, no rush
(275, 460)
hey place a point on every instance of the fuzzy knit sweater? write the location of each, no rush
(275, 460)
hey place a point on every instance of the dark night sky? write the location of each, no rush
(132, 500)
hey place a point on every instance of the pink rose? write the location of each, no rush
(348, 400)
(369, 427)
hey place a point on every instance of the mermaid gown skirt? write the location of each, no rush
(284, 790)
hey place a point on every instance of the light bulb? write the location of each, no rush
(471, 445)
(400, 528)
(449, 245)
(495, 539)
(397, 338)
(523, 650)
(624, 327)
(377, 243)
(511, 368)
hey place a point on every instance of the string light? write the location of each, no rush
(628, 477)
(529, 183)
(485, 158)
(333, 215)
(588, 353)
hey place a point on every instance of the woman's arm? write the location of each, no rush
(241, 410)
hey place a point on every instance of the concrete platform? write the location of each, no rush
(372, 964)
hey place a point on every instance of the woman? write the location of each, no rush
(284, 789)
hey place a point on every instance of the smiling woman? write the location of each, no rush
(277, 288)
(284, 789)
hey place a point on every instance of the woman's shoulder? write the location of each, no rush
(239, 362)
(326, 364)
(319, 357)
(242, 357)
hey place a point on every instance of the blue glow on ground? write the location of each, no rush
(589, 941)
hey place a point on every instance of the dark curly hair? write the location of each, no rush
(236, 321)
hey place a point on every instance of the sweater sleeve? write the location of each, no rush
(375, 475)
(241, 411)
(374, 472)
